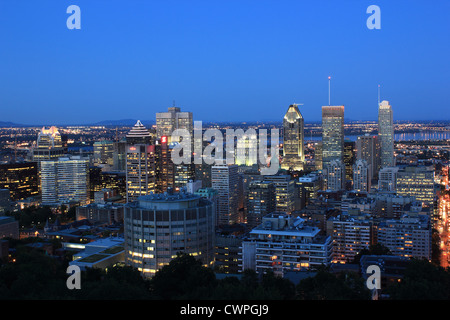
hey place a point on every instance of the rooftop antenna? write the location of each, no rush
(329, 91)
(378, 94)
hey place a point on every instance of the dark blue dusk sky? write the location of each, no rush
(224, 60)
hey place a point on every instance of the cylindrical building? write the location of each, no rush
(158, 226)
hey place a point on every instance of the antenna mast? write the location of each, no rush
(329, 91)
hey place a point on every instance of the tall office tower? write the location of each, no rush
(260, 201)
(159, 226)
(165, 168)
(362, 176)
(293, 139)
(409, 236)
(418, 182)
(120, 156)
(368, 148)
(284, 192)
(140, 172)
(65, 180)
(224, 179)
(104, 154)
(386, 134)
(284, 243)
(21, 179)
(334, 175)
(318, 155)
(167, 122)
(139, 134)
(48, 145)
(332, 134)
(387, 179)
(349, 161)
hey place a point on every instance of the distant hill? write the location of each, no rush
(10, 124)
(122, 122)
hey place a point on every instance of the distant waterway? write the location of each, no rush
(426, 135)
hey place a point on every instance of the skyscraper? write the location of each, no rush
(224, 179)
(104, 154)
(386, 134)
(332, 134)
(65, 179)
(260, 201)
(48, 145)
(362, 176)
(368, 148)
(334, 175)
(140, 172)
(139, 134)
(167, 122)
(293, 139)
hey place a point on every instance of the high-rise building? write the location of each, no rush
(120, 156)
(260, 201)
(140, 171)
(332, 134)
(174, 118)
(368, 148)
(386, 134)
(139, 134)
(387, 178)
(318, 155)
(293, 139)
(284, 192)
(21, 179)
(165, 168)
(65, 180)
(48, 145)
(104, 154)
(417, 181)
(362, 176)
(308, 187)
(225, 179)
(349, 161)
(351, 233)
(159, 226)
(334, 175)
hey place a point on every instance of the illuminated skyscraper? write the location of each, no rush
(224, 179)
(167, 122)
(139, 134)
(386, 134)
(334, 175)
(332, 134)
(104, 154)
(140, 172)
(368, 148)
(65, 179)
(48, 145)
(293, 139)
(362, 176)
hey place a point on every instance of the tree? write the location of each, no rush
(422, 281)
(183, 278)
(328, 286)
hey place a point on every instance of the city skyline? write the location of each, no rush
(221, 61)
